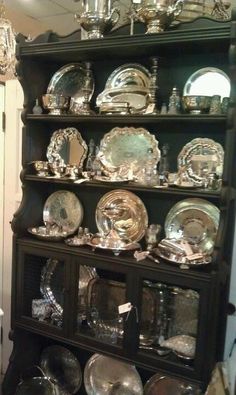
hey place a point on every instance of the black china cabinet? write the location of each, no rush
(181, 50)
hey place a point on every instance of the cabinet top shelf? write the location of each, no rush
(202, 32)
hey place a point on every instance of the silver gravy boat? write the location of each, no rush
(158, 14)
(97, 17)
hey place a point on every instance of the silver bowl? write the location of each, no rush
(41, 168)
(55, 103)
(196, 104)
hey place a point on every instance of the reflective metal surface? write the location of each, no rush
(43, 233)
(56, 104)
(64, 209)
(126, 151)
(67, 147)
(104, 375)
(183, 345)
(115, 245)
(208, 81)
(61, 365)
(196, 221)
(130, 218)
(163, 385)
(199, 158)
(129, 75)
(70, 81)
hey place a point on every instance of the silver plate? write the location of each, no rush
(131, 220)
(208, 81)
(116, 246)
(64, 209)
(162, 385)
(67, 147)
(69, 80)
(129, 75)
(181, 261)
(42, 233)
(124, 150)
(195, 220)
(105, 375)
(199, 158)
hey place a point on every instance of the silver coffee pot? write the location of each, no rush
(97, 17)
(157, 14)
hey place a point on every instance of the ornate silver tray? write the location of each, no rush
(123, 212)
(105, 375)
(64, 209)
(127, 150)
(195, 220)
(69, 80)
(182, 261)
(199, 158)
(48, 290)
(129, 75)
(115, 245)
(67, 147)
(162, 385)
(137, 98)
(42, 233)
(207, 81)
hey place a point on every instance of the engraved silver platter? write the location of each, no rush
(131, 219)
(70, 81)
(195, 220)
(199, 158)
(129, 75)
(67, 147)
(105, 375)
(208, 81)
(127, 149)
(64, 209)
(164, 385)
(52, 293)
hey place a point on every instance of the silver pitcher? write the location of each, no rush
(158, 14)
(97, 16)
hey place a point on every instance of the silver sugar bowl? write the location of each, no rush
(158, 14)
(97, 17)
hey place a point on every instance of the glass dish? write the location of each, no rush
(64, 209)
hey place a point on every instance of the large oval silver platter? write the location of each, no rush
(64, 209)
(67, 147)
(62, 366)
(137, 98)
(131, 219)
(129, 75)
(128, 149)
(70, 81)
(199, 158)
(208, 81)
(104, 375)
(162, 385)
(195, 220)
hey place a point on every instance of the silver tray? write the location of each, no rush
(195, 220)
(48, 290)
(199, 158)
(182, 261)
(137, 98)
(105, 375)
(117, 246)
(131, 220)
(42, 233)
(70, 81)
(67, 147)
(208, 81)
(129, 75)
(61, 365)
(64, 209)
(163, 385)
(127, 150)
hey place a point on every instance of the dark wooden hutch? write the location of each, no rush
(182, 50)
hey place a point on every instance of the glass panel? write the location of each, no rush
(100, 294)
(43, 297)
(169, 320)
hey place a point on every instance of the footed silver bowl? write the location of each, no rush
(195, 104)
(55, 103)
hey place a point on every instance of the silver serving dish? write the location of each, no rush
(61, 365)
(39, 386)
(129, 75)
(43, 233)
(64, 209)
(208, 81)
(105, 375)
(137, 99)
(196, 221)
(181, 260)
(116, 245)
(41, 167)
(48, 290)
(109, 108)
(125, 151)
(196, 104)
(67, 148)
(122, 212)
(165, 385)
(56, 104)
(199, 158)
(70, 81)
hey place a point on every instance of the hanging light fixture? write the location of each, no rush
(7, 42)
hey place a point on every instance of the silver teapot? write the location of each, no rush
(158, 14)
(97, 17)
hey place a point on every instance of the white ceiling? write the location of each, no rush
(57, 15)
